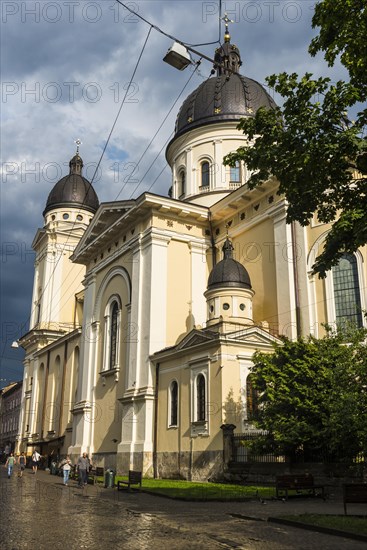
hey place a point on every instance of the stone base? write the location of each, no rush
(196, 466)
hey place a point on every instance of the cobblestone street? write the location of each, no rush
(39, 512)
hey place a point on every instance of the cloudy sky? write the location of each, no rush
(66, 66)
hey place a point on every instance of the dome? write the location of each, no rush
(73, 190)
(222, 99)
(227, 97)
(228, 272)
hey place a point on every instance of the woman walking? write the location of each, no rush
(10, 464)
(21, 464)
(66, 467)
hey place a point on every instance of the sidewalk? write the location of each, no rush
(255, 508)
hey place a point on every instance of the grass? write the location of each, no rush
(351, 524)
(187, 490)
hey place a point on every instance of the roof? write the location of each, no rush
(73, 190)
(228, 272)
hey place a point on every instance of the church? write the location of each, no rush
(146, 313)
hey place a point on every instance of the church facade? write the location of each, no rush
(146, 312)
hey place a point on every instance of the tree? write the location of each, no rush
(313, 394)
(316, 153)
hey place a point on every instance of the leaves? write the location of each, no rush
(313, 393)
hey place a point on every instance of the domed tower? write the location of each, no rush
(229, 293)
(69, 209)
(206, 130)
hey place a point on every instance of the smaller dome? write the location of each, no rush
(228, 272)
(73, 190)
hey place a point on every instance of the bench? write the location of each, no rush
(134, 479)
(354, 493)
(296, 482)
(94, 474)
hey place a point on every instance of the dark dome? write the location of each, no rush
(228, 272)
(73, 190)
(222, 98)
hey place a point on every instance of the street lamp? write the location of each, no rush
(178, 56)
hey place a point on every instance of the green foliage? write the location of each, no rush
(309, 145)
(313, 394)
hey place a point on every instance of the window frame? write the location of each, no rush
(108, 341)
(171, 403)
(206, 174)
(238, 170)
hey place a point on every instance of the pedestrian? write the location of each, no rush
(10, 461)
(35, 461)
(66, 467)
(83, 468)
(21, 464)
(90, 465)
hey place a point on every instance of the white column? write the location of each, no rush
(305, 293)
(33, 413)
(84, 412)
(284, 276)
(217, 176)
(34, 308)
(198, 282)
(190, 182)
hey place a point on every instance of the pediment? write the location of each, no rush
(104, 221)
(253, 335)
(195, 338)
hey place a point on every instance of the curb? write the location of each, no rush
(319, 529)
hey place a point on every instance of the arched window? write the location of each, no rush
(347, 295)
(173, 403)
(235, 173)
(252, 399)
(200, 398)
(182, 183)
(113, 335)
(205, 179)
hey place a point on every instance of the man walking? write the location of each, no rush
(83, 468)
(35, 461)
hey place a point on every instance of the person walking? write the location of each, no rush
(66, 467)
(83, 468)
(21, 464)
(35, 461)
(10, 461)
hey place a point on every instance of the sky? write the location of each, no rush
(66, 67)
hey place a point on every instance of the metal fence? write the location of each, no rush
(243, 452)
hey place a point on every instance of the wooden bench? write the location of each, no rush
(96, 473)
(354, 493)
(134, 479)
(296, 482)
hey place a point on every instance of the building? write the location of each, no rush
(10, 405)
(146, 312)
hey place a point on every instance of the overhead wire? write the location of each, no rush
(90, 186)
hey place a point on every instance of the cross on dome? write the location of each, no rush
(226, 21)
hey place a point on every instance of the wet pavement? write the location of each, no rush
(38, 512)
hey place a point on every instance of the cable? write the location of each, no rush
(120, 108)
(90, 183)
(156, 133)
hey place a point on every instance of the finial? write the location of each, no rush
(227, 248)
(78, 143)
(226, 20)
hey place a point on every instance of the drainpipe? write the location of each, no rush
(295, 277)
(155, 434)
